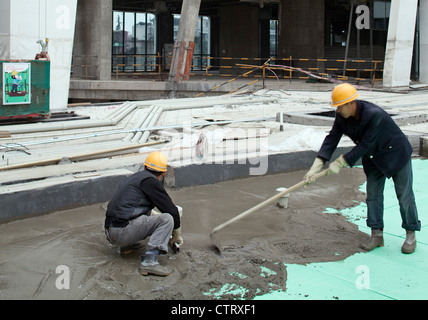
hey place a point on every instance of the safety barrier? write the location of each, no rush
(270, 65)
(153, 68)
(325, 67)
(206, 66)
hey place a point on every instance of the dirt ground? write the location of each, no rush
(255, 248)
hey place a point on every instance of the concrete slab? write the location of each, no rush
(34, 248)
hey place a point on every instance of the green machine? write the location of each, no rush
(25, 88)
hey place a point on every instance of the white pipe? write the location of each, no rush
(140, 124)
(152, 128)
(146, 134)
(146, 123)
(174, 104)
(214, 100)
(117, 110)
(207, 104)
(189, 103)
(124, 113)
(149, 123)
(69, 125)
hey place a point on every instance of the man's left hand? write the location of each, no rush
(337, 164)
(176, 238)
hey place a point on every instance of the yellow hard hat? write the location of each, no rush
(156, 161)
(14, 73)
(343, 93)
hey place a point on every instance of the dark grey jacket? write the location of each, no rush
(379, 141)
(136, 196)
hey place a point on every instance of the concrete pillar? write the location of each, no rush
(399, 46)
(423, 41)
(184, 45)
(93, 40)
(239, 32)
(24, 22)
(301, 29)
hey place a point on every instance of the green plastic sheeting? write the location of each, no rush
(382, 274)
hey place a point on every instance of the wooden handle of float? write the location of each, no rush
(268, 201)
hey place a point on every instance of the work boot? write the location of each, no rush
(376, 240)
(150, 265)
(409, 244)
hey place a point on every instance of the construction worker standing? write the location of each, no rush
(385, 152)
(129, 217)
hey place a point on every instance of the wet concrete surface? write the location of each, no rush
(36, 250)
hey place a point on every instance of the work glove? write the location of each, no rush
(336, 165)
(316, 168)
(176, 240)
(155, 213)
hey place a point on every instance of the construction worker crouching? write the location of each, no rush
(385, 152)
(129, 217)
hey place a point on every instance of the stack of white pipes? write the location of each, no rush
(126, 108)
(149, 119)
(143, 122)
(154, 116)
(139, 136)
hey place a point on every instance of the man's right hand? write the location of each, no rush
(316, 168)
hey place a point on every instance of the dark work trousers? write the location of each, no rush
(403, 183)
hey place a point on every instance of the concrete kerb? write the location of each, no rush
(321, 118)
(49, 195)
(423, 147)
(193, 174)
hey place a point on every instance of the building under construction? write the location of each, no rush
(102, 43)
(340, 39)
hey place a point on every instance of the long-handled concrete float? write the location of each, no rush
(259, 206)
